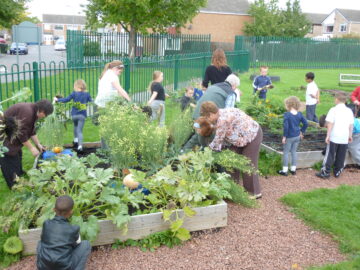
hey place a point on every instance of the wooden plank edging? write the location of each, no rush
(213, 216)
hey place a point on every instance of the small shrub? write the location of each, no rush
(92, 48)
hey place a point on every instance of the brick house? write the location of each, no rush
(316, 27)
(55, 26)
(223, 19)
(341, 22)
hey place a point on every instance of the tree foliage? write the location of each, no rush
(142, 15)
(9, 12)
(270, 20)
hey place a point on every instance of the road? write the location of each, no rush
(48, 54)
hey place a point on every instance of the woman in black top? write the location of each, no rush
(218, 70)
(157, 99)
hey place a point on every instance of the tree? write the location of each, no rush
(270, 20)
(10, 10)
(138, 16)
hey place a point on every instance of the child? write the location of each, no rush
(339, 124)
(157, 99)
(60, 246)
(187, 100)
(262, 82)
(312, 97)
(354, 146)
(78, 112)
(292, 133)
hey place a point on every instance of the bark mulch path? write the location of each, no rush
(266, 238)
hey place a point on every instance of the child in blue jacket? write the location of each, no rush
(262, 82)
(292, 133)
(78, 112)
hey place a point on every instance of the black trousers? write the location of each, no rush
(335, 155)
(11, 166)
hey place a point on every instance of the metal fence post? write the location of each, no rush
(176, 72)
(127, 64)
(36, 81)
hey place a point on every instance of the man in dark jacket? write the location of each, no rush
(26, 115)
(60, 247)
(223, 95)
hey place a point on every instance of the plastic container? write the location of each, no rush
(50, 155)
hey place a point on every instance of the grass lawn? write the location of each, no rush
(294, 78)
(333, 211)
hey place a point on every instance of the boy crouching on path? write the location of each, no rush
(60, 247)
(339, 124)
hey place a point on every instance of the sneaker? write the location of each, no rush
(256, 197)
(323, 175)
(338, 173)
(75, 145)
(293, 172)
(281, 172)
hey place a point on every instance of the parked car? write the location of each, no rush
(2, 41)
(21, 47)
(60, 45)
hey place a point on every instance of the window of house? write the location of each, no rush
(59, 27)
(329, 28)
(47, 26)
(343, 27)
(311, 30)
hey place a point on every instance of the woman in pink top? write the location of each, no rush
(238, 132)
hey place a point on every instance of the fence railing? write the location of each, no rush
(89, 47)
(300, 52)
(48, 80)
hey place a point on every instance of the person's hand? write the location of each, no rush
(34, 151)
(283, 140)
(301, 136)
(350, 139)
(41, 147)
(327, 140)
(318, 101)
(356, 102)
(55, 99)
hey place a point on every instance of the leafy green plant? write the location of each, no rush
(269, 163)
(181, 127)
(13, 245)
(52, 128)
(134, 141)
(267, 113)
(151, 242)
(84, 182)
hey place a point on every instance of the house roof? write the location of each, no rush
(64, 19)
(316, 18)
(226, 7)
(350, 14)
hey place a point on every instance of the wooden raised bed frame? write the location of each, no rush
(213, 216)
(305, 159)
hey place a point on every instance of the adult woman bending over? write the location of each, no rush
(218, 71)
(109, 85)
(240, 133)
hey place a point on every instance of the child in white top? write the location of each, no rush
(312, 97)
(339, 124)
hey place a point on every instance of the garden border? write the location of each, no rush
(140, 226)
(306, 159)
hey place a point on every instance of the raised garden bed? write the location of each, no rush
(214, 216)
(309, 150)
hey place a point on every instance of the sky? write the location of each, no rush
(72, 7)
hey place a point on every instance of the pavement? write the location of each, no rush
(47, 53)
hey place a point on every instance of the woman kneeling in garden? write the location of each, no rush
(237, 131)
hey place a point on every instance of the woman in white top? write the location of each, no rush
(109, 85)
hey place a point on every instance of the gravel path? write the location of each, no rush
(265, 238)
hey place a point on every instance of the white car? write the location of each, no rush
(60, 45)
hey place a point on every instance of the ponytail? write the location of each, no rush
(115, 63)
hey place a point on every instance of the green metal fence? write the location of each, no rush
(48, 80)
(89, 47)
(300, 52)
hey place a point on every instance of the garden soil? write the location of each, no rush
(269, 237)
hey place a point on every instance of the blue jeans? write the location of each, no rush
(311, 113)
(290, 146)
(79, 121)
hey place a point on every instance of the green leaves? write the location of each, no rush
(183, 234)
(88, 229)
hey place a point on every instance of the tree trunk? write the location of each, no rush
(132, 42)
